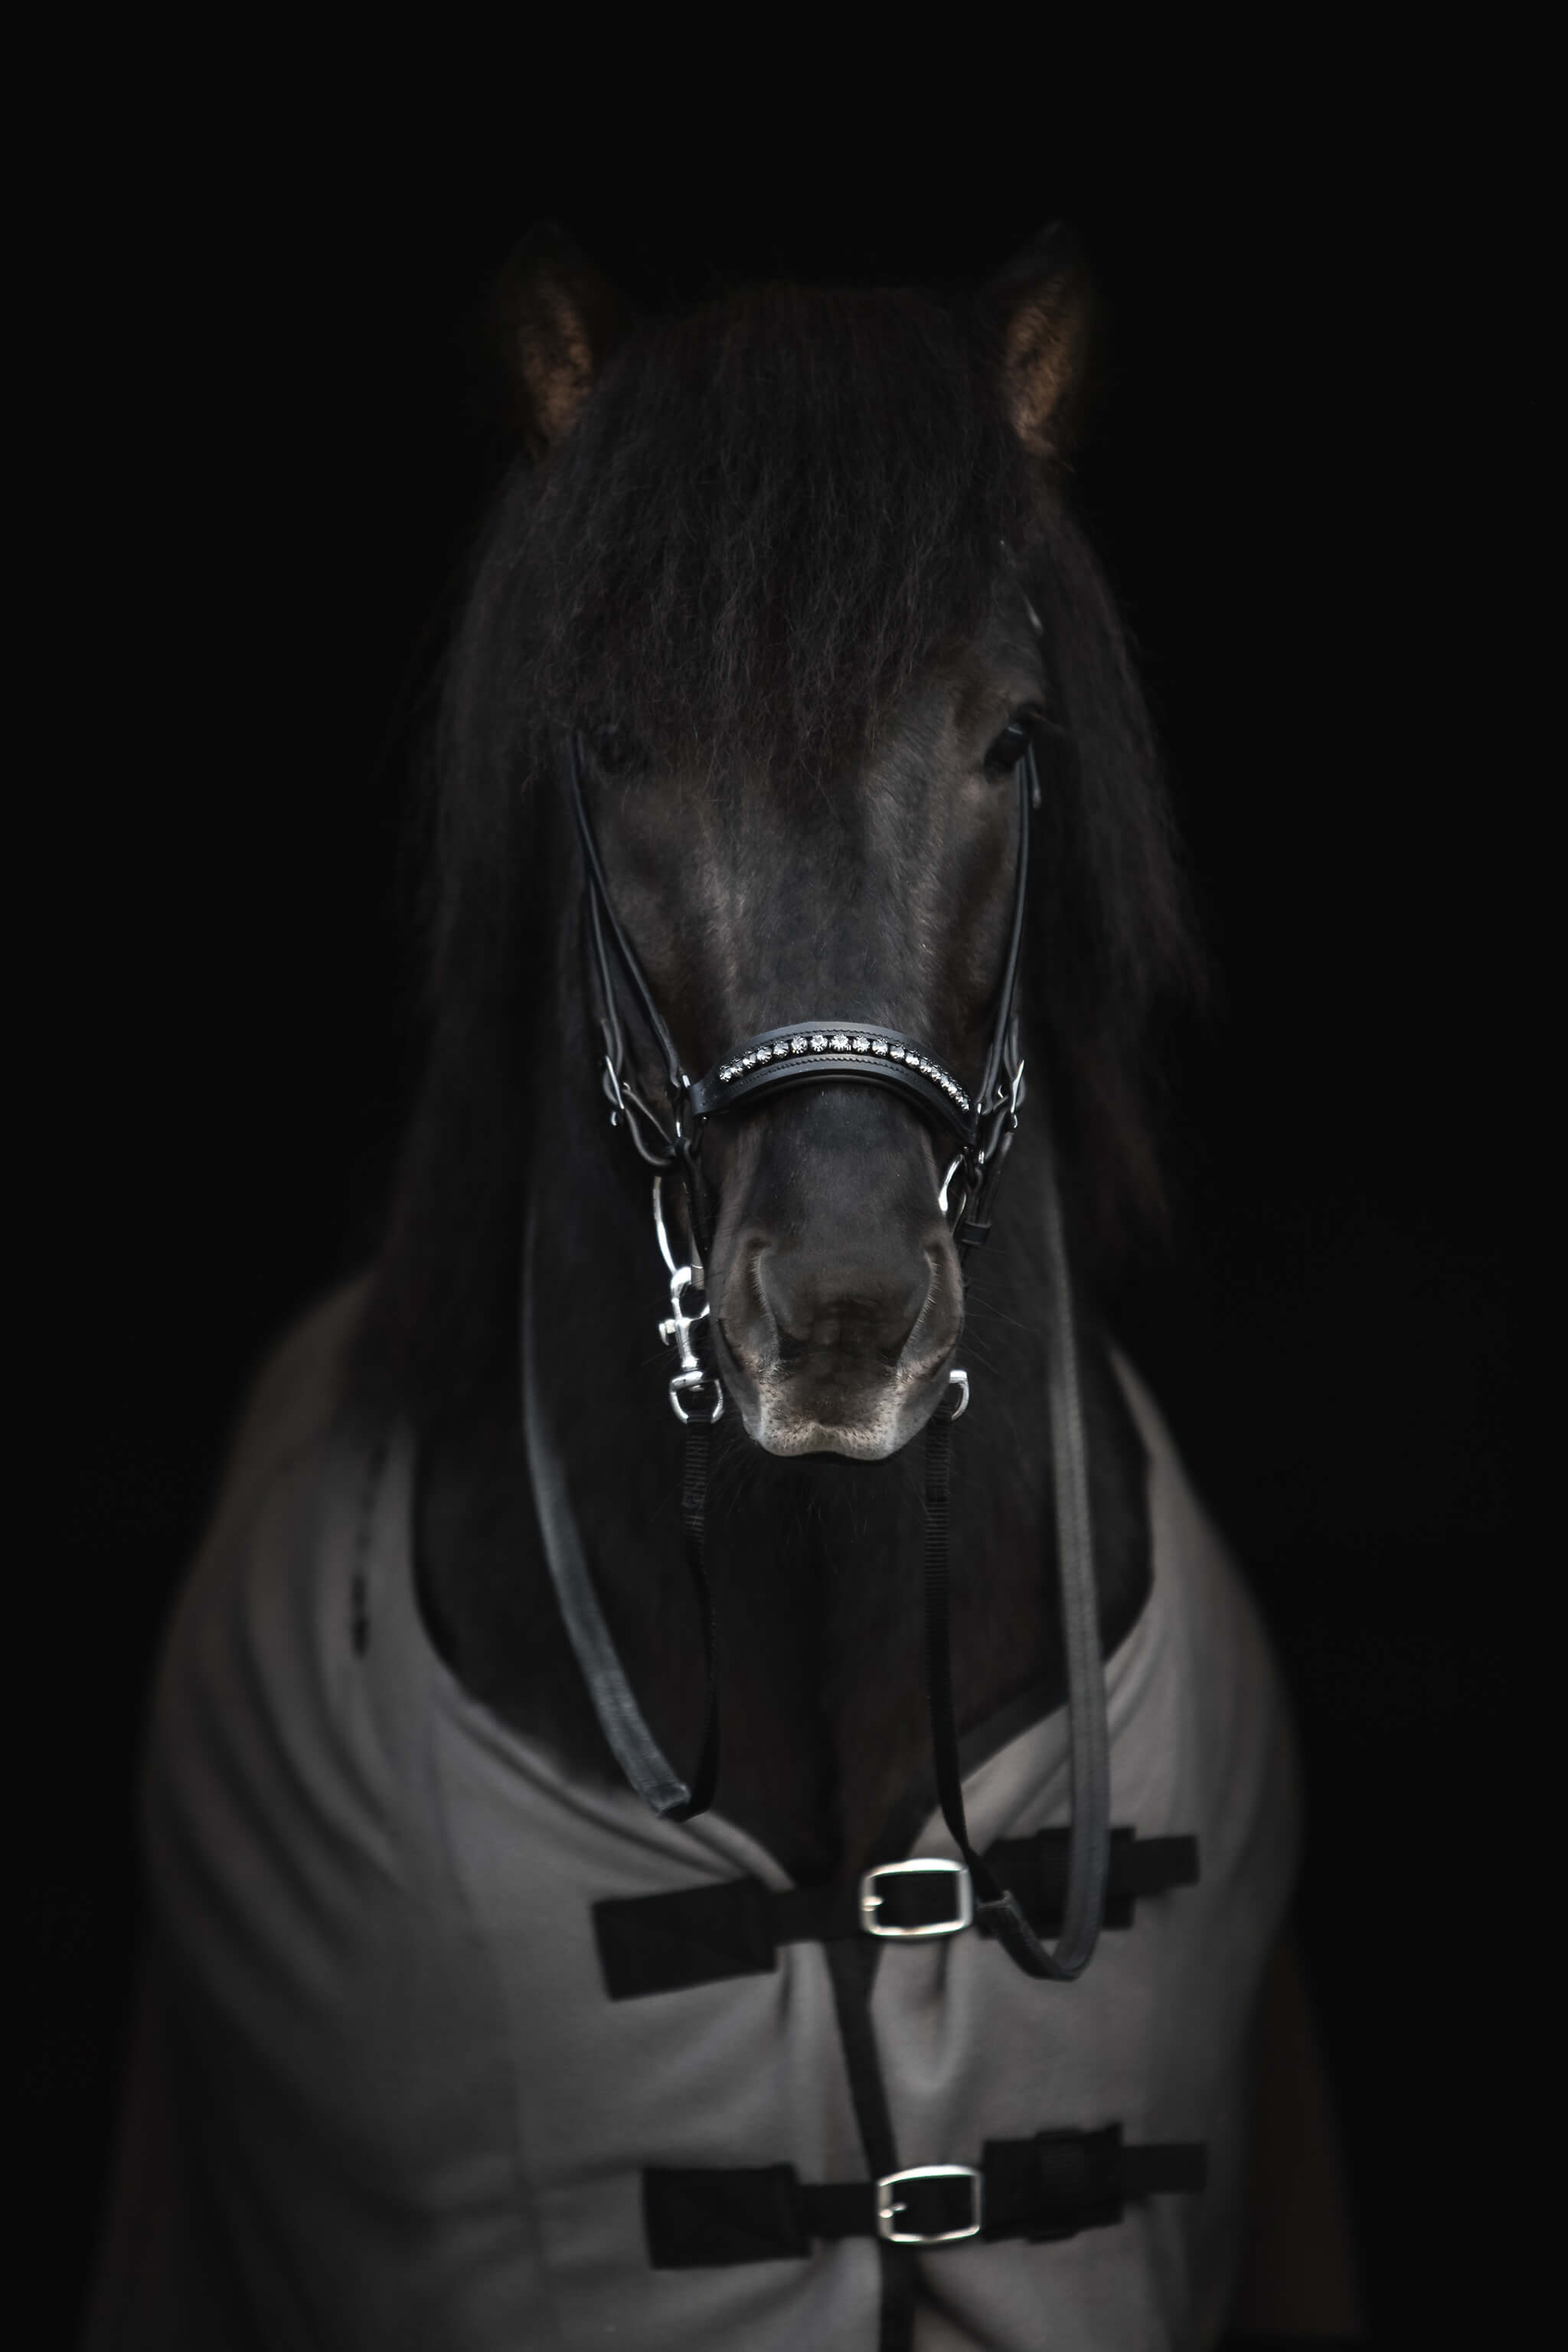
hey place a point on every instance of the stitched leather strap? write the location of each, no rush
(605, 922)
(998, 1911)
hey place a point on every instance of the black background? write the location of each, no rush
(257, 363)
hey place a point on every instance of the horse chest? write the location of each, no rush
(824, 1712)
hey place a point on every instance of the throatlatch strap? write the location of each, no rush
(1049, 2187)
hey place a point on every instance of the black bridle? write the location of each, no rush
(806, 1052)
(980, 1126)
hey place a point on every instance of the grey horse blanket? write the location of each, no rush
(383, 2102)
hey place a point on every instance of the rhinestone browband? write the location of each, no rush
(812, 1050)
(843, 1041)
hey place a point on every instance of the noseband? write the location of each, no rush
(978, 1126)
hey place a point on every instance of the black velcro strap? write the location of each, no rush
(698, 2220)
(1054, 2185)
(839, 2208)
(1043, 2188)
(814, 1915)
(1061, 2183)
(696, 1452)
(657, 1943)
(700, 1935)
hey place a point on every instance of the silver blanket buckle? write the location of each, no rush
(963, 1915)
(889, 2206)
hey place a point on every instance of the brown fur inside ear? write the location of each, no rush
(1045, 357)
(1045, 311)
(553, 357)
(555, 319)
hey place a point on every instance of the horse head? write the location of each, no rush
(801, 704)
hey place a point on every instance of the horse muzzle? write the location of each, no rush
(834, 1283)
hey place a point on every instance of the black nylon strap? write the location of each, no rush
(704, 2219)
(938, 1662)
(705, 1934)
(1050, 2187)
(837, 2209)
(694, 1521)
(1061, 2183)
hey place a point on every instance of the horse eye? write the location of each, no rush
(1011, 744)
(615, 753)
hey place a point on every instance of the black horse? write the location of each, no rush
(794, 581)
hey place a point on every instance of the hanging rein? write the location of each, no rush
(978, 1129)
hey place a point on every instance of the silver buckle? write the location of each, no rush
(870, 1901)
(888, 2204)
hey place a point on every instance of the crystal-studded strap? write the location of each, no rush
(814, 1050)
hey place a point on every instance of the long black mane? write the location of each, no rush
(771, 516)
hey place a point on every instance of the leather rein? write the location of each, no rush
(978, 1127)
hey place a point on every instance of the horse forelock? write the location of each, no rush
(769, 518)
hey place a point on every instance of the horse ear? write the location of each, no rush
(1042, 310)
(554, 319)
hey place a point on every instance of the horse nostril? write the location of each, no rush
(864, 1311)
